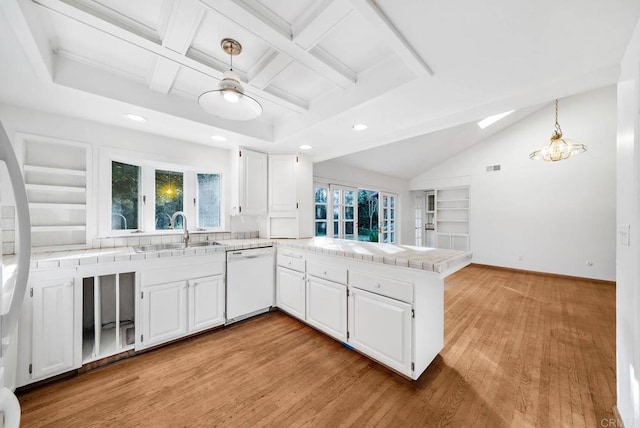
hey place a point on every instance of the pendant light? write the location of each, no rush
(559, 148)
(230, 101)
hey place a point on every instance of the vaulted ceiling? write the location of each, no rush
(407, 69)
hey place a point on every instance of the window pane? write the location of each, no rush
(168, 198)
(348, 213)
(208, 200)
(336, 213)
(125, 193)
(321, 195)
(321, 228)
(336, 197)
(391, 213)
(321, 212)
(348, 197)
(348, 229)
(368, 215)
(335, 229)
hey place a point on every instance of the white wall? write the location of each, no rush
(334, 172)
(627, 293)
(19, 120)
(557, 216)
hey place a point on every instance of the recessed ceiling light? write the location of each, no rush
(135, 117)
(305, 147)
(493, 119)
(359, 127)
(218, 138)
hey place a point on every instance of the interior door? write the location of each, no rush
(419, 220)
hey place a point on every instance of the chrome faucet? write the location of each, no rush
(172, 222)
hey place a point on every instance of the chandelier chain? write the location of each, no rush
(557, 124)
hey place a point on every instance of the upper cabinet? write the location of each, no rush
(57, 178)
(248, 183)
(290, 196)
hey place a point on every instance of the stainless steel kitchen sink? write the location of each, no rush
(172, 246)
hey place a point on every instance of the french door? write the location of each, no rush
(387, 218)
(345, 211)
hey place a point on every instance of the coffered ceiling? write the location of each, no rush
(407, 69)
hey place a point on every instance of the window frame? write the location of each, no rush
(148, 164)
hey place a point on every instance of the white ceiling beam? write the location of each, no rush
(106, 27)
(268, 69)
(243, 13)
(163, 74)
(309, 30)
(183, 21)
(383, 26)
(35, 44)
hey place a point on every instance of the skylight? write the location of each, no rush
(493, 119)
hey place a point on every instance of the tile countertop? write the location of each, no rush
(430, 259)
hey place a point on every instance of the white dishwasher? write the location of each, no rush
(250, 283)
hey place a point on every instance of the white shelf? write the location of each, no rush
(453, 221)
(53, 170)
(59, 206)
(63, 228)
(452, 200)
(453, 209)
(52, 188)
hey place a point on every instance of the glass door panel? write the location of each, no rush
(368, 228)
(344, 212)
(388, 215)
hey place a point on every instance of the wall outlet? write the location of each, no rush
(589, 263)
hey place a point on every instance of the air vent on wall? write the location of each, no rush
(492, 168)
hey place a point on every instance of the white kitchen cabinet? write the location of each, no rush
(53, 332)
(290, 196)
(290, 292)
(165, 312)
(248, 183)
(381, 328)
(327, 307)
(206, 302)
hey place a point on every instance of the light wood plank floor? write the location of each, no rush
(520, 350)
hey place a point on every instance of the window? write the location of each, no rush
(349, 213)
(169, 189)
(125, 196)
(208, 200)
(141, 196)
(320, 200)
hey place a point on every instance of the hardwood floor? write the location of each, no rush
(520, 350)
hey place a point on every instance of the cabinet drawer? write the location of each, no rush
(292, 261)
(328, 272)
(395, 289)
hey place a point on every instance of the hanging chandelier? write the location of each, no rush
(558, 148)
(230, 101)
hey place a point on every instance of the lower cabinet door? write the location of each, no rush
(290, 292)
(52, 340)
(327, 307)
(206, 302)
(381, 328)
(164, 313)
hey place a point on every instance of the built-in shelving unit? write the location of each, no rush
(56, 175)
(452, 218)
(108, 320)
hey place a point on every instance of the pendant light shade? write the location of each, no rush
(558, 148)
(230, 101)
